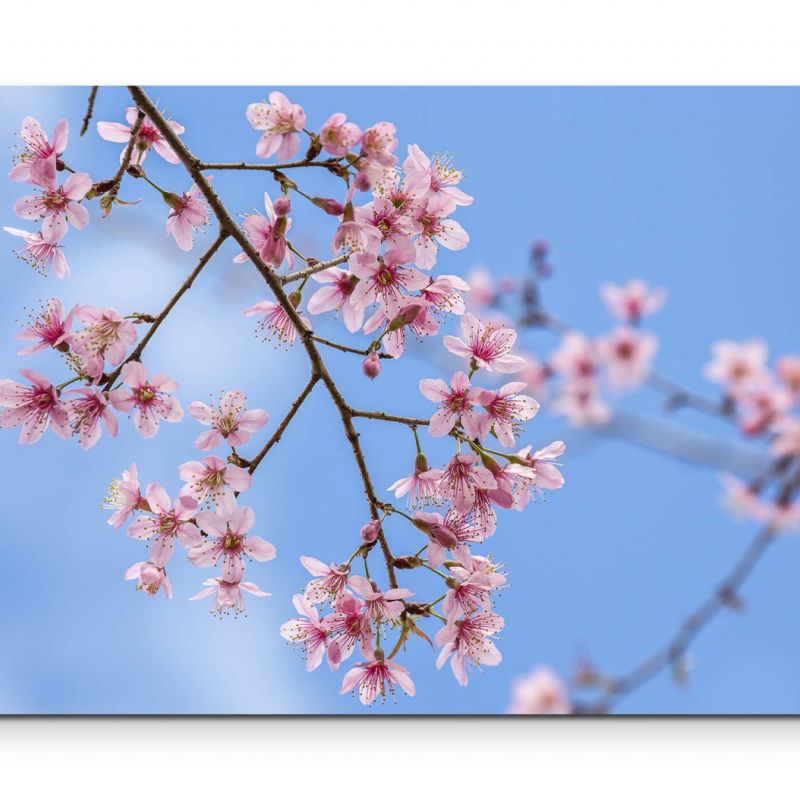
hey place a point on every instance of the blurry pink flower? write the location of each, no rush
(445, 293)
(330, 581)
(539, 692)
(781, 516)
(437, 230)
(736, 364)
(280, 120)
(308, 631)
(228, 595)
(379, 605)
(57, 207)
(575, 358)
(85, 414)
(458, 401)
(150, 400)
(488, 345)
(436, 178)
(231, 421)
(42, 253)
(166, 524)
(481, 288)
(228, 540)
(49, 328)
(148, 136)
(189, 213)
(632, 301)
(37, 162)
(788, 370)
(123, 496)
(275, 321)
(378, 143)
(107, 336)
(787, 437)
(760, 402)
(506, 409)
(468, 641)
(536, 375)
(337, 135)
(267, 237)
(741, 499)
(337, 295)
(375, 677)
(34, 407)
(627, 354)
(213, 478)
(579, 401)
(461, 477)
(149, 578)
(422, 487)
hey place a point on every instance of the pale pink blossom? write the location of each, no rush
(377, 676)
(189, 213)
(149, 578)
(742, 499)
(33, 407)
(627, 354)
(280, 120)
(437, 177)
(378, 143)
(539, 692)
(330, 581)
(275, 321)
(787, 437)
(214, 479)
(482, 291)
(371, 366)
(632, 301)
(736, 364)
(410, 314)
(422, 486)
(470, 587)
(337, 136)
(337, 295)
(150, 400)
(148, 137)
(383, 279)
(536, 375)
(228, 540)
(57, 207)
(379, 605)
(86, 412)
(228, 595)
(487, 345)
(461, 477)
(37, 162)
(310, 632)
(781, 516)
(788, 369)
(576, 357)
(106, 337)
(383, 222)
(42, 251)
(532, 475)
(506, 409)
(468, 641)
(580, 402)
(124, 496)
(445, 293)
(347, 626)
(760, 402)
(437, 230)
(165, 524)
(267, 234)
(48, 328)
(452, 532)
(458, 401)
(230, 422)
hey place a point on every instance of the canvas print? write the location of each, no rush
(399, 400)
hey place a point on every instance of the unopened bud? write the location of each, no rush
(370, 531)
(363, 182)
(295, 297)
(371, 366)
(405, 317)
(282, 206)
(315, 147)
(420, 463)
(329, 205)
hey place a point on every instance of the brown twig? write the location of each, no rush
(346, 349)
(412, 422)
(242, 165)
(313, 269)
(127, 154)
(89, 110)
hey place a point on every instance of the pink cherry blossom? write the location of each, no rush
(377, 676)
(470, 588)
(165, 523)
(383, 222)
(106, 337)
(627, 354)
(458, 401)
(445, 293)
(378, 143)
(735, 364)
(506, 408)
(384, 278)
(280, 120)
(760, 402)
(212, 478)
(266, 234)
(330, 581)
(436, 177)
(580, 402)
(337, 295)
(742, 499)
(536, 374)
(275, 321)
(228, 595)
(309, 632)
(150, 400)
(461, 477)
(487, 345)
(337, 136)
(347, 626)
(410, 314)
(33, 407)
(189, 213)
(535, 474)
(787, 437)
(37, 162)
(149, 578)
(482, 290)
(148, 137)
(576, 358)
(57, 207)
(228, 540)
(48, 328)
(632, 301)
(468, 641)
(371, 366)
(539, 692)
(422, 486)
(379, 605)
(123, 496)
(788, 369)
(230, 422)
(86, 411)
(451, 532)
(42, 251)
(437, 230)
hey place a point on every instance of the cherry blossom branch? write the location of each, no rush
(89, 110)
(242, 165)
(346, 348)
(116, 182)
(185, 286)
(273, 281)
(380, 415)
(312, 269)
(279, 431)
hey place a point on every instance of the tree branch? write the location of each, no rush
(313, 269)
(410, 421)
(346, 349)
(127, 154)
(89, 110)
(241, 165)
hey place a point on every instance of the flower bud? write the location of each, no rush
(406, 316)
(329, 205)
(295, 297)
(420, 463)
(362, 182)
(372, 366)
(279, 228)
(369, 532)
(282, 206)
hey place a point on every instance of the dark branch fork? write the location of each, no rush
(319, 370)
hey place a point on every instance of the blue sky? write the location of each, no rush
(693, 189)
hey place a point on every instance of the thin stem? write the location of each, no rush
(89, 110)
(242, 165)
(410, 421)
(116, 181)
(345, 348)
(313, 269)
